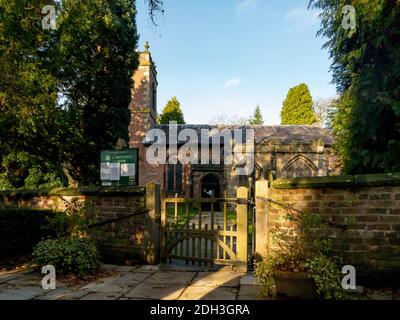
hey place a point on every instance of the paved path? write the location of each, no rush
(136, 283)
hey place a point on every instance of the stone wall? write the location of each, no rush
(365, 210)
(127, 218)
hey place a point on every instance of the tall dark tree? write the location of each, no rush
(96, 49)
(64, 93)
(29, 117)
(298, 107)
(366, 70)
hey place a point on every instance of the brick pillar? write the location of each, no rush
(152, 224)
(261, 223)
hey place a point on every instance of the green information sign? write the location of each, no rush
(119, 167)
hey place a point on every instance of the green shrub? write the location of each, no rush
(5, 184)
(67, 255)
(37, 178)
(303, 247)
(72, 251)
(327, 277)
(22, 229)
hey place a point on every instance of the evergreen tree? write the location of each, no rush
(366, 70)
(88, 61)
(257, 119)
(298, 107)
(172, 112)
(30, 120)
(96, 49)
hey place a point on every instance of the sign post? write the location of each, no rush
(119, 167)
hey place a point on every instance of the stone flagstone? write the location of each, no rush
(217, 279)
(102, 296)
(155, 291)
(209, 293)
(171, 278)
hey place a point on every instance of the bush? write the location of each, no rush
(67, 255)
(72, 251)
(303, 247)
(37, 178)
(22, 229)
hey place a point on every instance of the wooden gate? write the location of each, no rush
(217, 236)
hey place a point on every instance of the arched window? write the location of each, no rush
(299, 166)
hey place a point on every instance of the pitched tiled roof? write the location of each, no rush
(286, 134)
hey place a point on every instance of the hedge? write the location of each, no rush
(21, 230)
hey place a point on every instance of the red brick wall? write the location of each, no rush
(120, 241)
(367, 209)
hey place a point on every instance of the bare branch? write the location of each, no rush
(155, 7)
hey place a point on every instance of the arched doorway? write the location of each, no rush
(210, 188)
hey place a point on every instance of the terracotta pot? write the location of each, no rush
(295, 285)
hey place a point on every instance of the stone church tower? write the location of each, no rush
(143, 109)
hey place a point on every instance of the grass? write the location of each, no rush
(193, 212)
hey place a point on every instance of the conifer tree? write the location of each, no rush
(298, 107)
(172, 112)
(257, 118)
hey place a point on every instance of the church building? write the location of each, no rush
(280, 151)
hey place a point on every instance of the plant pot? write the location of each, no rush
(295, 285)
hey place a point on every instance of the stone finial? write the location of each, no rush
(121, 144)
(146, 46)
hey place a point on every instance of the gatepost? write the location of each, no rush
(261, 223)
(152, 224)
(242, 229)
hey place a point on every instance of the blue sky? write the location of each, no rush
(226, 56)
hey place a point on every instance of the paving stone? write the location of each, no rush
(16, 283)
(249, 279)
(180, 265)
(73, 295)
(7, 277)
(130, 279)
(220, 278)
(54, 294)
(250, 292)
(155, 291)
(105, 286)
(375, 295)
(21, 293)
(125, 268)
(209, 293)
(148, 269)
(171, 277)
(102, 296)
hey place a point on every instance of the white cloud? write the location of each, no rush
(300, 19)
(246, 6)
(232, 83)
